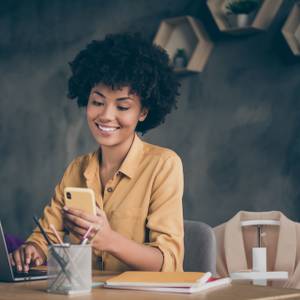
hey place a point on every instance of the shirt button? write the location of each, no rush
(109, 189)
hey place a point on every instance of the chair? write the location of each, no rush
(12, 242)
(200, 247)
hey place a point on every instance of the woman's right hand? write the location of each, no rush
(26, 255)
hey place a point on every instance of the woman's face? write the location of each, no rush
(112, 115)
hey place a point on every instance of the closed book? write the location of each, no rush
(159, 279)
(167, 282)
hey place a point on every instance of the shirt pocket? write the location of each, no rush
(130, 223)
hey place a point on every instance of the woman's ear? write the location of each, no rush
(143, 114)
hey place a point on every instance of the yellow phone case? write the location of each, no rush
(80, 198)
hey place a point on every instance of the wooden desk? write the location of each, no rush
(35, 290)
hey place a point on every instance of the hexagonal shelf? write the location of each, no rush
(260, 21)
(185, 34)
(291, 30)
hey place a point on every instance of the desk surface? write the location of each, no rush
(35, 290)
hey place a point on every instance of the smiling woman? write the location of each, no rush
(127, 86)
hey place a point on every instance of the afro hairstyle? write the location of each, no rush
(127, 59)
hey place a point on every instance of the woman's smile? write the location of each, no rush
(106, 128)
(106, 131)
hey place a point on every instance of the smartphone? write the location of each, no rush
(80, 198)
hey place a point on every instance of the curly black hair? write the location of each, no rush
(127, 60)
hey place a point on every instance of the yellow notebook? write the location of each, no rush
(158, 279)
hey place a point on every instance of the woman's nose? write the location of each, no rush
(107, 113)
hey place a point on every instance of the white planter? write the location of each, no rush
(242, 20)
(179, 62)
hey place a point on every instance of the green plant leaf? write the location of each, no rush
(242, 6)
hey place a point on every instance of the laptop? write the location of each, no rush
(8, 272)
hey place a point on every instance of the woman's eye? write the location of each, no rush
(97, 103)
(123, 108)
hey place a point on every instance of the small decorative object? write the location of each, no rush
(180, 59)
(243, 11)
(297, 34)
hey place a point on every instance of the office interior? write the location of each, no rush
(236, 128)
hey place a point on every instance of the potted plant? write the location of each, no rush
(180, 59)
(242, 10)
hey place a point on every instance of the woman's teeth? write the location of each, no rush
(106, 129)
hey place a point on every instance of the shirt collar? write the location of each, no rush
(92, 176)
(133, 157)
(92, 168)
(128, 166)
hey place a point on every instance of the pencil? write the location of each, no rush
(56, 234)
(85, 237)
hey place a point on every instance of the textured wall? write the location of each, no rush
(236, 127)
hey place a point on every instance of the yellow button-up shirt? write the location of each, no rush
(143, 202)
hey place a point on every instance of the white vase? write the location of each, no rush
(242, 20)
(179, 62)
(239, 21)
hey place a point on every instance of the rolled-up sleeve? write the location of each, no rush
(165, 216)
(52, 215)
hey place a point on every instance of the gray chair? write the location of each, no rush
(200, 247)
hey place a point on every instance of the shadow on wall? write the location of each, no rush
(292, 163)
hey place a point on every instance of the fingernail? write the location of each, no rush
(37, 262)
(19, 268)
(27, 261)
(65, 208)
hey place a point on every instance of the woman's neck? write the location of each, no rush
(112, 157)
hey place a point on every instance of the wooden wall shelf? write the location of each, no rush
(291, 30)
(185, 33)
(261, 21)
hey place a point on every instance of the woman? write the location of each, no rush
(127, 86)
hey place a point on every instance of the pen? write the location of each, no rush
(52, 227)
(85, 237)
(36, 221)
(56, 256)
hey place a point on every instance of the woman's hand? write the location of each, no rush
(78, 222)
(26, 255)
(103, 238)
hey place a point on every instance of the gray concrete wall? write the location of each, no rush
(236, 127)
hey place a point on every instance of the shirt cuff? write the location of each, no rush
(39, 245)
(170, 263)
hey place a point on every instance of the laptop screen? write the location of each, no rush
(6, 272)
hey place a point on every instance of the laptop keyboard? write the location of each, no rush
(31, 272)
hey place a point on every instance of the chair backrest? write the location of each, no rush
(200, 247)
(12, 242)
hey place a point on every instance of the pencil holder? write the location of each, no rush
(69, 269)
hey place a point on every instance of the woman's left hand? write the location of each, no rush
(78, 222)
